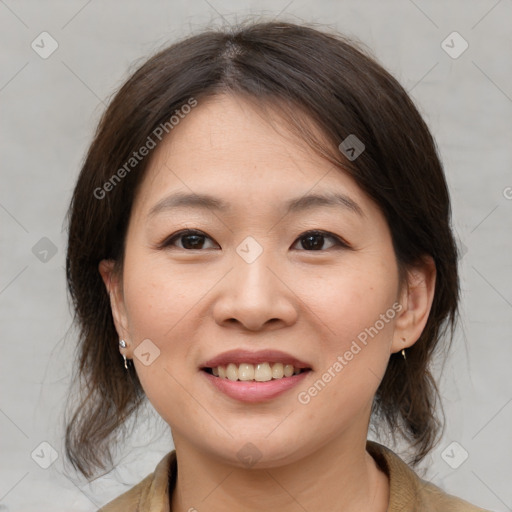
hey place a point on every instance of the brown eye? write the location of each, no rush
(314, 240)
(190, 240)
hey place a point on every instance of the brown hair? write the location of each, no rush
(308, 75)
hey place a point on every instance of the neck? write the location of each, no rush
(341, 475)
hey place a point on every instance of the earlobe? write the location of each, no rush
(416, 299)
(114, 289)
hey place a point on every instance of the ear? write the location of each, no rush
(114, 288)
(417, 296)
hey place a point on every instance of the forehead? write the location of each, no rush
(227, 147)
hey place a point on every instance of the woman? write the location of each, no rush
(261, 229)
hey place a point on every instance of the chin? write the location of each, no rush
(257, 452)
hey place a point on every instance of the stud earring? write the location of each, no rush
(122, 344)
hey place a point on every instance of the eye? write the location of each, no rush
(314, 240)
(191, 239)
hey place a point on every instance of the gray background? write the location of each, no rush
(49, 110)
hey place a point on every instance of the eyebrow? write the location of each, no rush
(208, 202)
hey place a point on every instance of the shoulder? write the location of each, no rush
(150, 494)
(130, 500)
(409, 492)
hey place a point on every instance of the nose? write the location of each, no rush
(255, 296)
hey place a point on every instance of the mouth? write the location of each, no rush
(254, 376)
(260, 366)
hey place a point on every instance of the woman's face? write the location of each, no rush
(250, 279)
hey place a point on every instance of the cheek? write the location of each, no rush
(158, 312)
(354, 352)
(159, 305)
(352, 300)
(357, 309)
(157, 299)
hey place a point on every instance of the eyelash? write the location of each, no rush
(168, 242)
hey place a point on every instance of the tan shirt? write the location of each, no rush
(408, 493)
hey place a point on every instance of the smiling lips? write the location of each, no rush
(254, 376)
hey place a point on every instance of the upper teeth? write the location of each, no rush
(260, 372)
